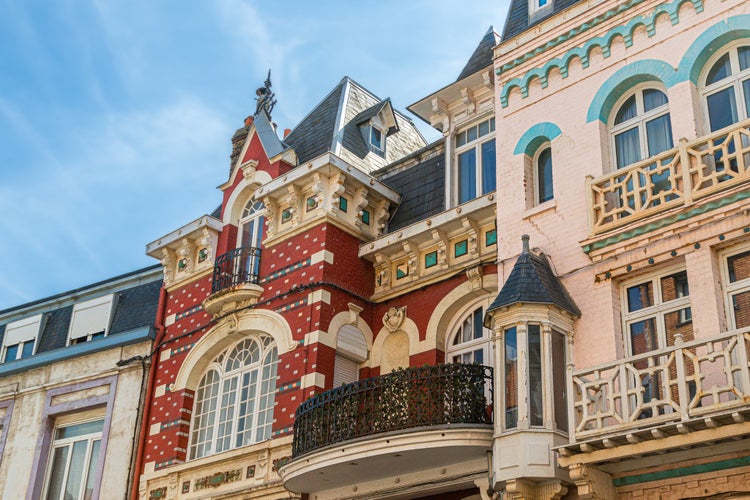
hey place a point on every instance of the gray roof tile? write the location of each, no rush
(482, 56)
(517, 20)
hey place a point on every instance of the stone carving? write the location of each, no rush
(592, 483)
(394, 318)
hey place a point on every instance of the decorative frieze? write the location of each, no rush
(217, 479)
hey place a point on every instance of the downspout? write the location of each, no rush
(137, 462)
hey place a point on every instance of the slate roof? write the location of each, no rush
(517, 21)
(136, 307)
(421, 186)
(482, 56)
(532, 282)
(334, 125)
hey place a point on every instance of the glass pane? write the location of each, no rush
(627, 111)
(91, 474)
(678, 322)
(628, 147)
(722, 108)
(79, 429)
(57, 473)
(484, 128)
(674, 286)
(643, 336)
(720, 70)
(461, 138)
(559, 382)
(739, 266)
(744, 56)
(659, 135)
(466, 329)
(640, 296)
(746, 94)
(544, 173)
(741, 309)
(653, 98)
(376, 138)
(536, 408)
(75, 473)
(478, 327)
(28, 349)
(478, 357)
(471, 134)
(511, 379)
(488, 166)
(11, 353)
(467, 176)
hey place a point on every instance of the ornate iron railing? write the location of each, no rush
(676, 177)
(689, 381)
(236, 267)
(414, 397)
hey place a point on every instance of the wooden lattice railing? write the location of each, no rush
(679, 176)
(689, 381)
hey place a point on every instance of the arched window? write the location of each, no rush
(726, 87)
(640, 126)
(543, 174)
(234, 398)
(470, 340)
(251, 225)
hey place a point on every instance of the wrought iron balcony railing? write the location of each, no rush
(414, 397)
(692, 381)
(676, 177)
(236, 267)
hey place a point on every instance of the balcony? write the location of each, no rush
(679, 177)
(666, 396)
(235, 281)
(387, 426)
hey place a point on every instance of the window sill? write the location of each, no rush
(542, 207)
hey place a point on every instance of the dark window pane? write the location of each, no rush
(678, 322)
(80, 429)
(741, 308)
(471, 134)
(536, 405)
(640, 296)
(57, 473)
(659, 135)
(722, 108)
(643, 336)
(744, 56)
(720, 70)
(674, 286)
(511, 379)
(461, 138)
(653, 98)
(627, 111)
(467, 176)
(478, 327)
(11, 352)
(484, 128)
(739, 266)
(488, 166)
(544, 175)
(28, 349)
(746, 94)
(628, 147)
(559, 387)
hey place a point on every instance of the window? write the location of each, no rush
(73, 461)
(738, 288)
(543, 174)
(641, 127)
(470, 340)
(656, 310)
(234, 398)
(535, 6)
(377, 144)
(91, 319)
(251, 225)
(475, 161)
(726, 87)
(351, 350)
(20, 337)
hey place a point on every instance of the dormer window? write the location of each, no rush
(91, 319)
(475, 161)
(377, 144)
(20, 337)
(539, 8)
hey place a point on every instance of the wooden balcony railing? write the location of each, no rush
(415, 397)
(691, 381)
(679, 176)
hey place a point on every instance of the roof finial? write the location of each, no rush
(266, 100)
(525, 240)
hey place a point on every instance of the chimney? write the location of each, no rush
(287, 131)
(248, 121)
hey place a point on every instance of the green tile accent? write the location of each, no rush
(286, 215)
(490, 237)
(741, 195)
(402, 271)
(366, 217)
(461, 248)
(430, 259)
(683, 471)
(343, 203)
(311, 203)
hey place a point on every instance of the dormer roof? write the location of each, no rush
(482, 55)
(518, 19)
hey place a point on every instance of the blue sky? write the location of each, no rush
(116, 117)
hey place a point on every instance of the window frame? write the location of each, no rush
(253, 211)
(734, 81)
(658, 310)
(547, 145)
(108, 301)
(469, 346)
(638, 121)
(728, 288)
(380, 151)
(476, 145)
(36, 322)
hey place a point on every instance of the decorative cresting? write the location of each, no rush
(413, 397)
(690, 386)
(603, 42)
(236, 267)
(676, 177)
